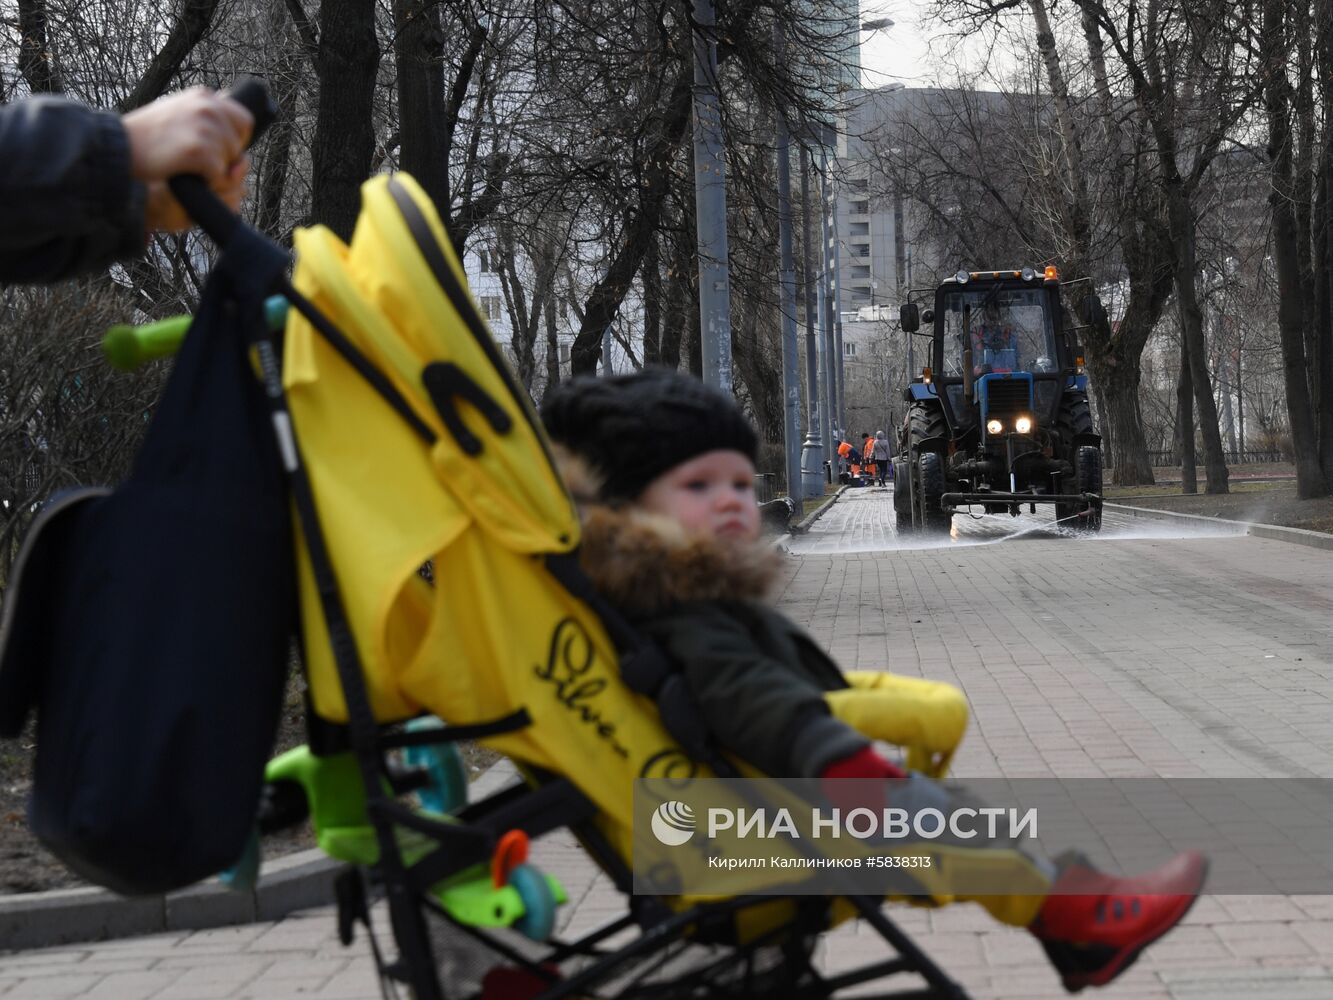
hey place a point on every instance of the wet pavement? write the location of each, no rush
(1153, 649)
(862, 520)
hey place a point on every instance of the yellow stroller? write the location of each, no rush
(438, 577)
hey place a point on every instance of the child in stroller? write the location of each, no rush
(671, 537)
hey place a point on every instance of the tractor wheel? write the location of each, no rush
(902, 497)
(924, 421)
(1088, 477)
(937, 520)
(1073, 421)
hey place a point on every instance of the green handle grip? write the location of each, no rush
(127, 347)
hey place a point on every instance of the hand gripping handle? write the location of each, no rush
(204, 207)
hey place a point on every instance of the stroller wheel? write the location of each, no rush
(538, 919)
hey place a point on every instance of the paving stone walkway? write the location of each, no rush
(1146, 651)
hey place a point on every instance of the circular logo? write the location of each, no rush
(673, 823)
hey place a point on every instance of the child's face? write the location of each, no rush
(711, 496)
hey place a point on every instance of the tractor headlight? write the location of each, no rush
(994, 427)
(1023, 425)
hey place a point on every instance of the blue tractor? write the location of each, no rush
(999, 419)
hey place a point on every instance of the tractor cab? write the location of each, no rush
(1000, 347)
(1007, 330)
(1001, 417)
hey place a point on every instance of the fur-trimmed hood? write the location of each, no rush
(644, 563)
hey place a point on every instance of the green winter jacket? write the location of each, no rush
(759, 681)
(757, 677)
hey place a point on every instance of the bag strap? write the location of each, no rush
(252, 280)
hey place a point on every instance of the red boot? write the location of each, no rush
(1093, 925)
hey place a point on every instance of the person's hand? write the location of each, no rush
(198, 132)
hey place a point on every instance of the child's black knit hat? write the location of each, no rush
(632, 428)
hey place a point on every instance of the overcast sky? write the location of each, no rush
(894, 54)
(912, 51)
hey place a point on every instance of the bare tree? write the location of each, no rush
(1276, 49)
(194, 20)
(1182, 55)
(66, 418)
(344, 141)
(36, 60)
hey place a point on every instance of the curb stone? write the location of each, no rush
(818, 512)
(66, 916)
(297, 881)
(1296, 536)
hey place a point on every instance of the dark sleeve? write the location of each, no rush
(754, 705)
(70, 204)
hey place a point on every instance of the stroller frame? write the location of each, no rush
(555, 802)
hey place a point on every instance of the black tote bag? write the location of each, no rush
(150, 627)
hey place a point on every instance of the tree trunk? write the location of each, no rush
(1189, 481)
(1323, 237)
(453, 111)
(694, 347)
(419, 53)
(1154, 88)
(546, 262)
(1240, 403)
(344, 133)
(1310, 480)
(1228, 416)
(651, 275)
(283, 76)
(1191, 321)
(1076, 183)
(607, 295)
(1099, 412)
(676, 303)
(552, 346)
(1121, 416)
(1304, 181)
(1145, 254)
(522, 324)
(36, 61)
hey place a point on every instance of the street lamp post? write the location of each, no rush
(837, 315)
(710, 205)
(828, 305)
(812, 451)
(791, 379)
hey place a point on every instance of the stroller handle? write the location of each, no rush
(199, 202)
(126, 347)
